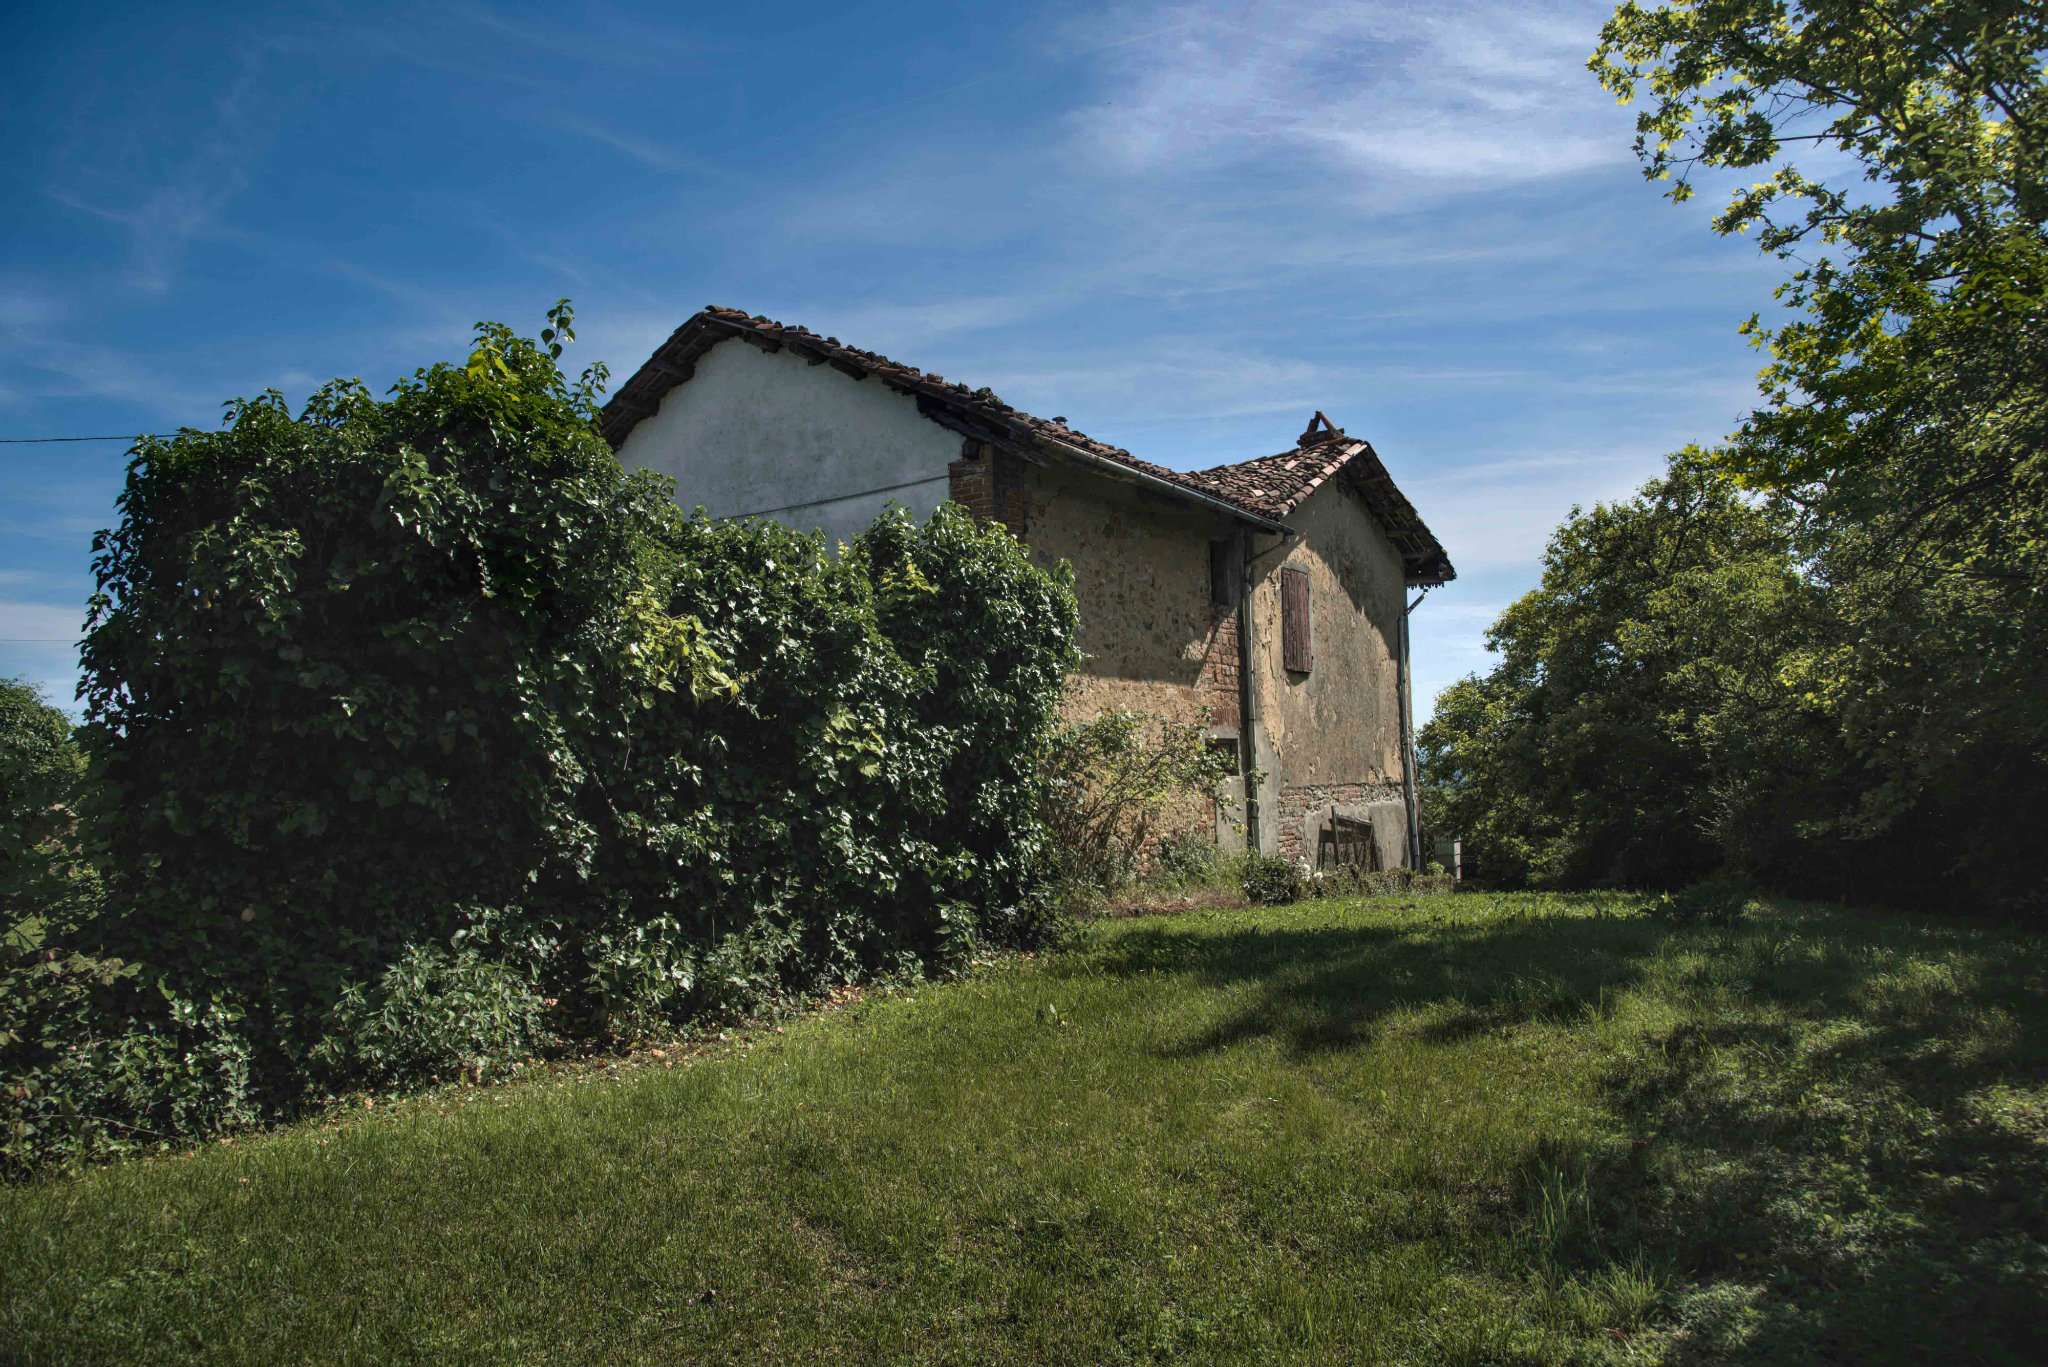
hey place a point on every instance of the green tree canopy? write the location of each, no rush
(40, 767)
(1895, 154)
(1634, 730)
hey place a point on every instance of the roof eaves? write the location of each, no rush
(674, 362)
(1125, 470)
(1424, 560)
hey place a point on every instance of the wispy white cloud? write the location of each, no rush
(647, 152)
(1380, 96)
(1476, 616)
(165, 213)
(600, 36)
(24, 584)
(893, 322)
(1166, 383)
(389, 286)
(912, 330)
(58, 525)
(1497, 515)
(45, 367)
(26, 304)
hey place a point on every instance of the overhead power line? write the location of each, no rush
(758, 512)
(41, 441)
(840, 498)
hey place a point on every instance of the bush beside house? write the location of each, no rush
(428, 739)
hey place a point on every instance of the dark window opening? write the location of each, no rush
(1223, 574)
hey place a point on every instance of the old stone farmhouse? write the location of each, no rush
(1269, 597)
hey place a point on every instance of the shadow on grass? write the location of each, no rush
(1853, 1183)
(1329, 988)
(1839, 1155)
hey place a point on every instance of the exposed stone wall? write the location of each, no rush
(1299, 815)
(1153, 640)
(1219, 677)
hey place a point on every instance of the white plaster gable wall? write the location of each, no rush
(753, 430)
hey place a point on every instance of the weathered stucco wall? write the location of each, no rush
(754, 430)
(1332, 735)
(1154, 641)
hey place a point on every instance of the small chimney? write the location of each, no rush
(1320, 429)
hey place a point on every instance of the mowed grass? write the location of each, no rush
(1436, 1130)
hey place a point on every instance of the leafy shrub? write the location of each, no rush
(338, 668)
(93, 1062)
(870, 789)
(1270, 880)
(1185, 857)
(434, 1014)
(391, 676)
(1712, 902)
(90, 1067)
(165, 1076)
(637, 974)
(1112, 782)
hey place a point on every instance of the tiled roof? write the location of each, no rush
(1263, 491)
(1276, 485)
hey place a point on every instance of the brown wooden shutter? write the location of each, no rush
(1295, 651)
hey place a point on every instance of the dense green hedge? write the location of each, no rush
(426, 738)
(40, 768)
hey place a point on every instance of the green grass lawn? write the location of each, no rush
(1441, 1129)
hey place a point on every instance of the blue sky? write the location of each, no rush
(1183, 226)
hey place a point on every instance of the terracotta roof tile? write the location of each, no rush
(1278, 484)
(1267, 489)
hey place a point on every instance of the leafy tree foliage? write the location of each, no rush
(1116, 779)
(1634, 731)
(428, 738)
(1905, 417)
(40, 768)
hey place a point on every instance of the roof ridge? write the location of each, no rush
(983, 410)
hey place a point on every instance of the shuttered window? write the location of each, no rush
(1295, 652)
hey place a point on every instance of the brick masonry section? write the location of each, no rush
(984, 482)
(1217, 682)
(1294, 806)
